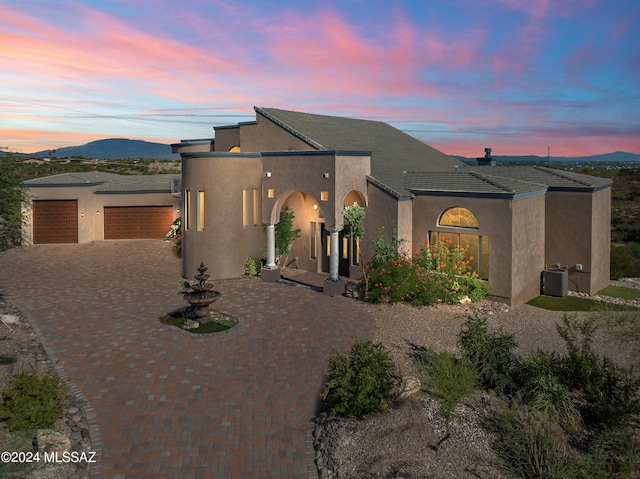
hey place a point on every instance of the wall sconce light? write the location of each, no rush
(267, 174)
(315, 207)
(178, 211)
(97, 212)
(82, 214)
(325, 175)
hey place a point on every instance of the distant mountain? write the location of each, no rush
(616, 157)
(113, 149)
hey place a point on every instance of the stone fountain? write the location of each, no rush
(201, 295)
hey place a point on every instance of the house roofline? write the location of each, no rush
(288, 129)
(316, 153)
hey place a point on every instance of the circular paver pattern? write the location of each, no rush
(167, 403)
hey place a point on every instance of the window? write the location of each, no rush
(313, 246)
(476, 247)
(187, 209)
(458, 217)
(355, 251)
(235, 149)
(244, 207)
(200, 210)
(271, 193)
(255, 206)
(324, 196)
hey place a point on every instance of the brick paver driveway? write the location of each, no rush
(167, 403)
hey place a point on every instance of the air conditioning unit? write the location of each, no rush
(555, 282)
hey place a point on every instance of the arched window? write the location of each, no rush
(235, 149)
(476, 246)
(458, 217)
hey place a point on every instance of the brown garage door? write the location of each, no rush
(136, 222)
(55, 221)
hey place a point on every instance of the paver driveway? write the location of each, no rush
(171, 404)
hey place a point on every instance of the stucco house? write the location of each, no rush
(89, 206)
(516, 221)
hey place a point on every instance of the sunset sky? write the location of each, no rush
(515, 75)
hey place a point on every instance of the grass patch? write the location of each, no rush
(572, 303)
(621, 292)
(213, 326)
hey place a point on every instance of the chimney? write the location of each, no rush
(487, 160)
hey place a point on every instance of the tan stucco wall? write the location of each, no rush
(267, 136)
(516, 252)
(382, 212)
(227, 138)
(528, 248)
(91, 207)
(579, 232)
(224, 244)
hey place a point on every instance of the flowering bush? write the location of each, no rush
(437, 273)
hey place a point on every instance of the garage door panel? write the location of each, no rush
(55, 221)
(137, 222)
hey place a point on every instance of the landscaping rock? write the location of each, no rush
(49, 440)
(412, 386)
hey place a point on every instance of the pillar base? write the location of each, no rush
(270, 275)
(333, 288)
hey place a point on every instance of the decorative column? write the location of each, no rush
(334, 258)
(332, 285)
(271, 247)
(271, 272)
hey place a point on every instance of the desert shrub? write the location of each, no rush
(540, 388)
(489, 352)
(625, 261)
(252, 266)
(361, 382)
(30, 401)
(448, 379)
(609, 392)
(435, 274)
(532, 446)
(612, 453)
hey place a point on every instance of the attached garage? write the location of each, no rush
(55, 221)
(137, 222)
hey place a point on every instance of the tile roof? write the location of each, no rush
(392, 150)
(108, 182)
(468, 183)
(553, 179)
(85, 178)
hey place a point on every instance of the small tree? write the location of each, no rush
(354, 230)
(14, 198)
(285, 235)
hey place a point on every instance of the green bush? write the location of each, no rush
(625, 261)
(448, 379)
(252, 266)
(489, 352)
(435, 274)
(532, 446)
(540, 388)
(613, 453)
(361, 382)
(31, 401)
(609, 392)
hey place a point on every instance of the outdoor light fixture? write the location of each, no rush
(267, 174)
(178, 211)
(97, 212)
(325, 175)
(82, 214)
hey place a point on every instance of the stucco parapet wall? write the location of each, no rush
(316, 153)
(390, 191)
(219, 154)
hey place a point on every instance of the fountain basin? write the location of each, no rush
(201, 301)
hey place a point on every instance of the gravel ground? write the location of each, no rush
(400, 443)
